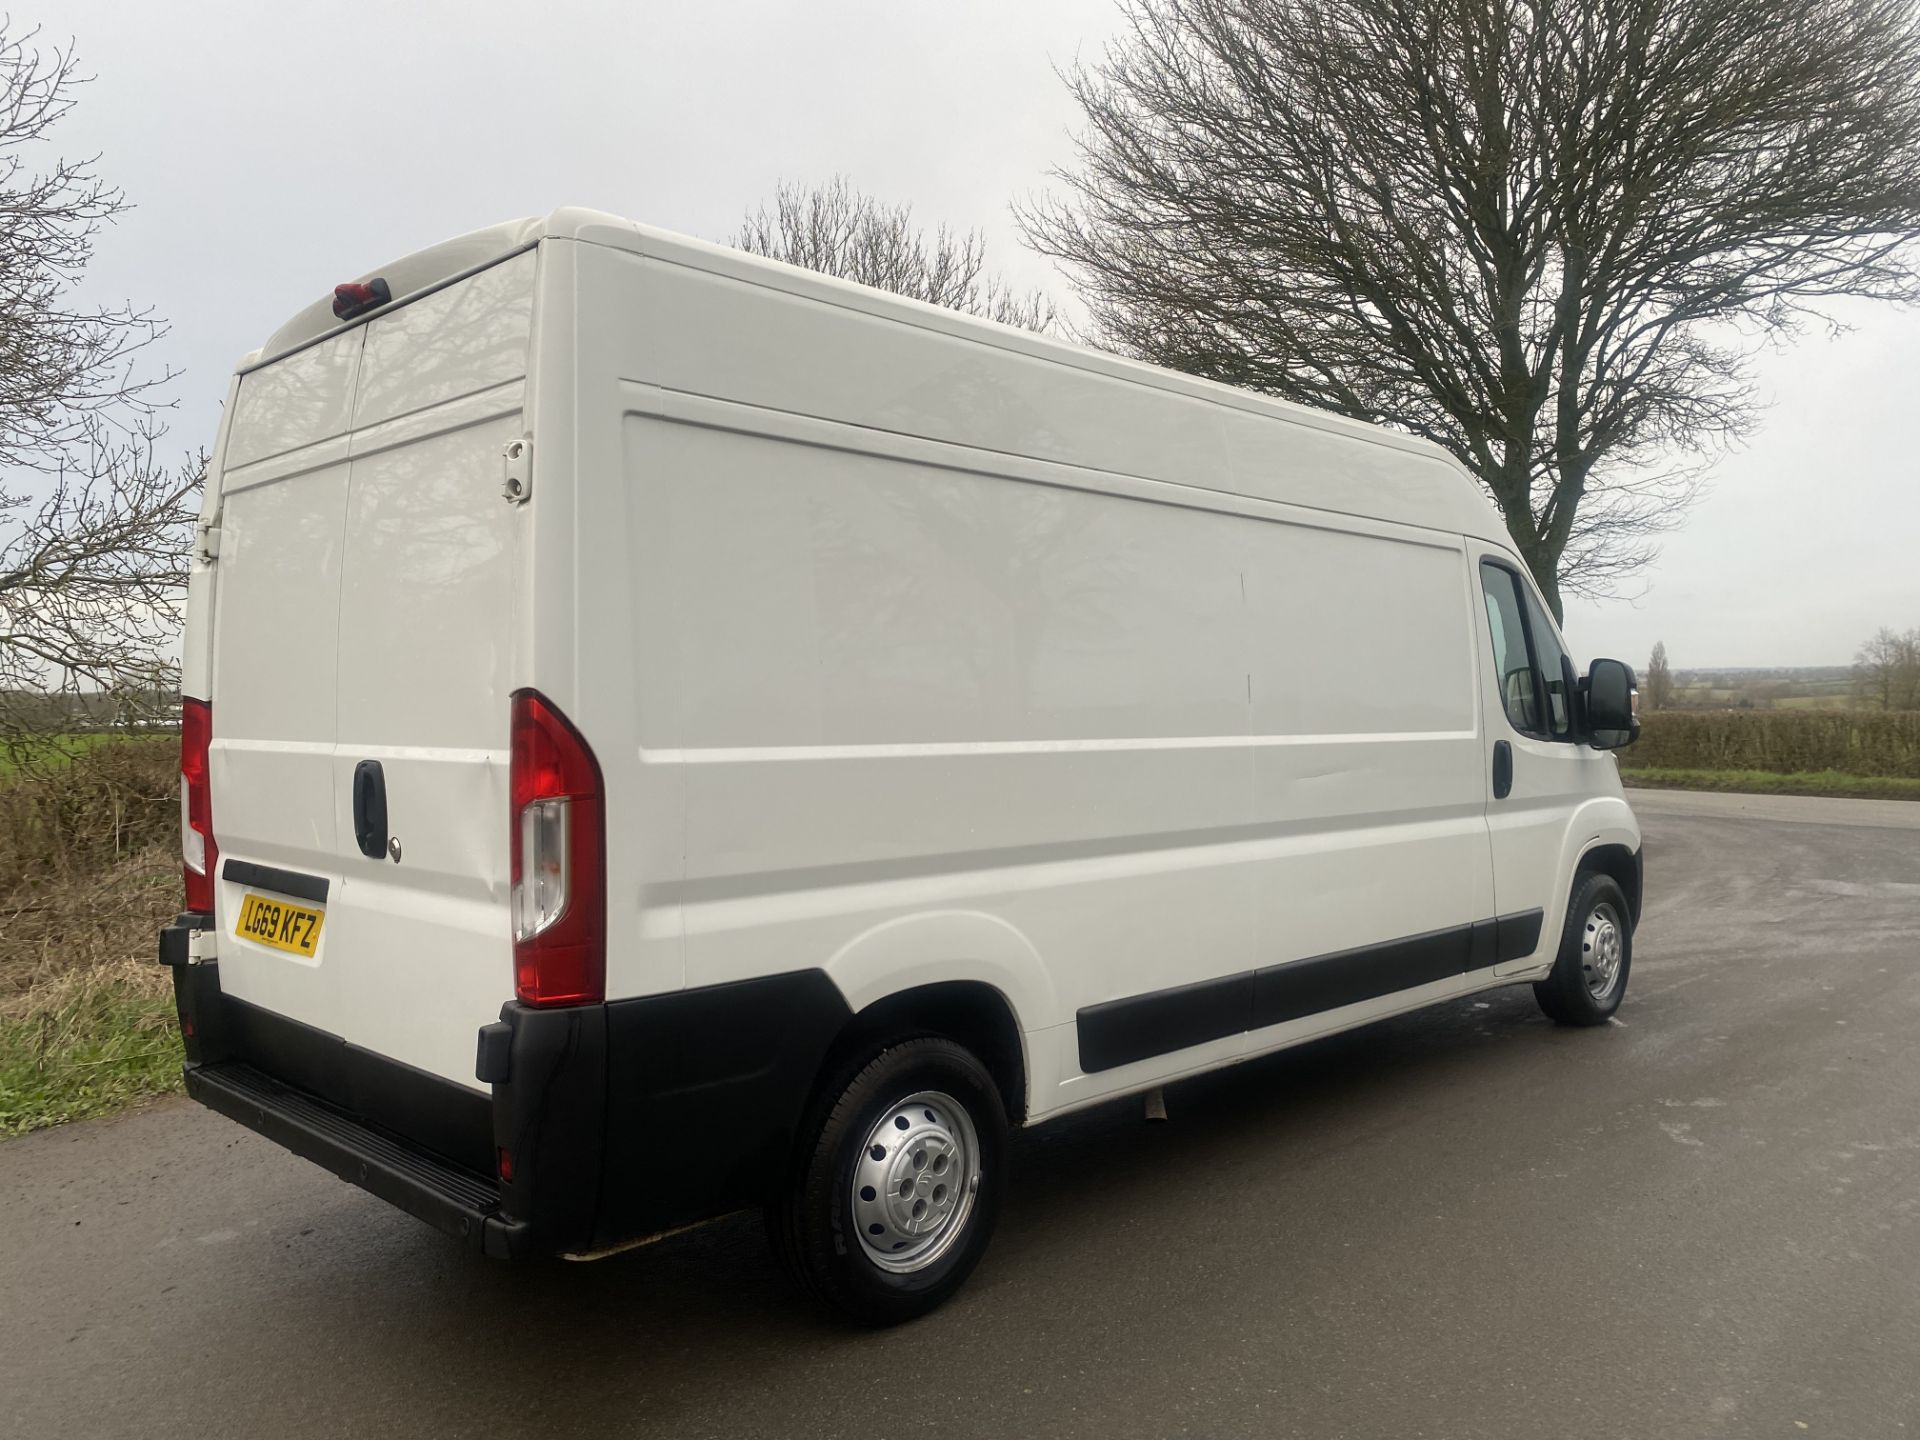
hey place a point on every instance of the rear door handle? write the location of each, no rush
(1502, 769)
(370, 809)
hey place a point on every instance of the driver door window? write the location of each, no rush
(1512, 659)
(1549, 657)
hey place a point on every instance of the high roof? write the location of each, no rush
(438, 265)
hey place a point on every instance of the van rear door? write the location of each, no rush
(281, 518)
(368, 575)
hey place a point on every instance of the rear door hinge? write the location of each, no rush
(208, 542)
(517, 456)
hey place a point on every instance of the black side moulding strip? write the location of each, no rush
(1140, 1027)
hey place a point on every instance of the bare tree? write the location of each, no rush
(1886, 672)
(93, 527)
(1658, 682)
(837, 230)
(92, 577)
(1546, 234)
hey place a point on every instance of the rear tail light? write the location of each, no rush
(559, 898)
(198, 853)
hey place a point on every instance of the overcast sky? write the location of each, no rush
(275, 148)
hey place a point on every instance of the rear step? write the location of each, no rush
(457, 1201)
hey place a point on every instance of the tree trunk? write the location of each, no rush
(1541, 564)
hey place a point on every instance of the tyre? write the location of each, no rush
(1589, 975)
(896, 1183)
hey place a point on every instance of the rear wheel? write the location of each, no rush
(897, 1184)
(1589, 976)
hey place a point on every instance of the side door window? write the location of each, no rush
(1512, 659)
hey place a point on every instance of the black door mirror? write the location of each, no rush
(1612, 694)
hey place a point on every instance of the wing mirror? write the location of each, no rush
(1612, 698)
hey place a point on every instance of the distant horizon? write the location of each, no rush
(1738, 669)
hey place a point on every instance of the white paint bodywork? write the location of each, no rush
(912, 648)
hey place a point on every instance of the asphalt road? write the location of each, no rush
(1701, 1221)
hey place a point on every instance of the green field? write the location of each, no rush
(1813, 702)
(58, 750)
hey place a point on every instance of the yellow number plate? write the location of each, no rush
(285, 926)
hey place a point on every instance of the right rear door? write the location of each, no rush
(431, 573)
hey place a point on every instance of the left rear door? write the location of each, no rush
(274, 656)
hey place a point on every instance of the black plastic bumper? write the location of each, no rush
(447, 1197)
(416, 1140)
(606, 1123)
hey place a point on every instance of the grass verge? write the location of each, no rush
(1832, 783)
(88, 875)
(86, 1014)
(102, 1050)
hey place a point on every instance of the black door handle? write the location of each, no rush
(1502, 769)
(370, 809)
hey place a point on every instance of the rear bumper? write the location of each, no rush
(418, 1141)
(621, 1120)
(446, 1196)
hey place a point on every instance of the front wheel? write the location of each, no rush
(1589, 977)
(898, 1183)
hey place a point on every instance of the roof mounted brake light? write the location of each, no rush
(357, 297)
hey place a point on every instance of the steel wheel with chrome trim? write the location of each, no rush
(898, 1183)
(1589, 975)
(914, 1181)
(1602, 946)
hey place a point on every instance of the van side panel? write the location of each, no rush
(916, 654)
(709, 333)
(1368, 644)
(893, 689)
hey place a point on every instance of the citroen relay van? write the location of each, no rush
(666, 733)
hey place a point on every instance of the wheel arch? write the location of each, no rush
(961, 973)
(1622, 863)
(970, 1013)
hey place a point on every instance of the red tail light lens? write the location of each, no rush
(198, 854)
(559, 859)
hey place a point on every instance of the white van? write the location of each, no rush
(667, 733)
